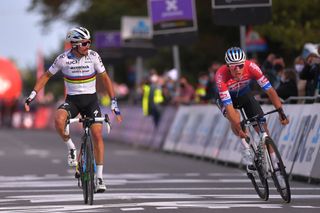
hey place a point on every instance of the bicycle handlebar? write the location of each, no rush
(257, 117)
(91, 120)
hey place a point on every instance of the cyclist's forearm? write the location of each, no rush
(233, 116)
(42, 81)
(274, 98)
(108, 84)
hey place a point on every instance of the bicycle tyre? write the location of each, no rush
(90, 171)
(84, 181)
(259, 182)
(285, 193)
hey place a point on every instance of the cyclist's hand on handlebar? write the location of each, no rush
(115, 109)
(282, 116)
(242, 134)
(30, 98)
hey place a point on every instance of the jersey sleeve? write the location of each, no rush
(224, 94)
(57, 64)
(97, 61)
(257, 74)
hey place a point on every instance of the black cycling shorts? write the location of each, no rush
(85, 104)
(250, 105)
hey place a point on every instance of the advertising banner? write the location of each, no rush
(241, 12)
(187, 139)
(172, 16)
(136, 34)
(135, 28)
(107, 39)
(176, 128)
(218, 134)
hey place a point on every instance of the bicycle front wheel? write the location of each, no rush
(83, 173)
(278, 173)
(258, 177)
(90, 170)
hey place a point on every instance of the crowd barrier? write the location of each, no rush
(140, 130)
(202, 131)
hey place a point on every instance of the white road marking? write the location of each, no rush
(192, 174)
(132, 209)
(44, 189)
(167, 207)
(37, 152)
(306, 207)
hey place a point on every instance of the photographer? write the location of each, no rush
(310, 73)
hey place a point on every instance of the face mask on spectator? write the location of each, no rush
(283, 79)
(298, 67)
(203, 82)
(170, 86)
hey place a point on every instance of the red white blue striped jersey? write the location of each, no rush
(79, 73)
(229, 87)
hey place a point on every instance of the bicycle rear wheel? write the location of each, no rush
(90, 170)
(281, 181)
(258, 178)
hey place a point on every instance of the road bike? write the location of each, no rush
(267, 159)
(86, 167)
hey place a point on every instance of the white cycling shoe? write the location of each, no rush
(247, 157)
(72, 158)
(100, 186)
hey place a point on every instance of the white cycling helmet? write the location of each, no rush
(235, 55)
(77, 34)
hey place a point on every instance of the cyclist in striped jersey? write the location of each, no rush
(80, 67)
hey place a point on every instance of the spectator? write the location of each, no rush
(152, 97)
(288, 85)
(272, 68)
(299, 64)
(311, 72)
(200, 92)
(267, 65)
(186, 92)
(211, 90)
(169, 87)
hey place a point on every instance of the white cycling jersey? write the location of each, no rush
(79, 73)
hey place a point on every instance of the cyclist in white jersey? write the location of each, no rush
(80, 66)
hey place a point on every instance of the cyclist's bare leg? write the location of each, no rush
(96, 130)
(60, 123)
(267, 131)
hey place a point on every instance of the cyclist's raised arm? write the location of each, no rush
(108, 84)
(41, 82)
(275, 100)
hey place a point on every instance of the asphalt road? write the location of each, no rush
(34, 177)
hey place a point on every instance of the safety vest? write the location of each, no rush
(157, 98)
(105, 100)
(200, 92)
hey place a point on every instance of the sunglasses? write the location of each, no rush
(85, 44)
(240, 66)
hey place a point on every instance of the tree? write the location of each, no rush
(293, 24)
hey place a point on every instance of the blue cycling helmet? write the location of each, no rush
(235, 55)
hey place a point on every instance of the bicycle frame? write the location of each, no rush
(86, 167)
(268, 162)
